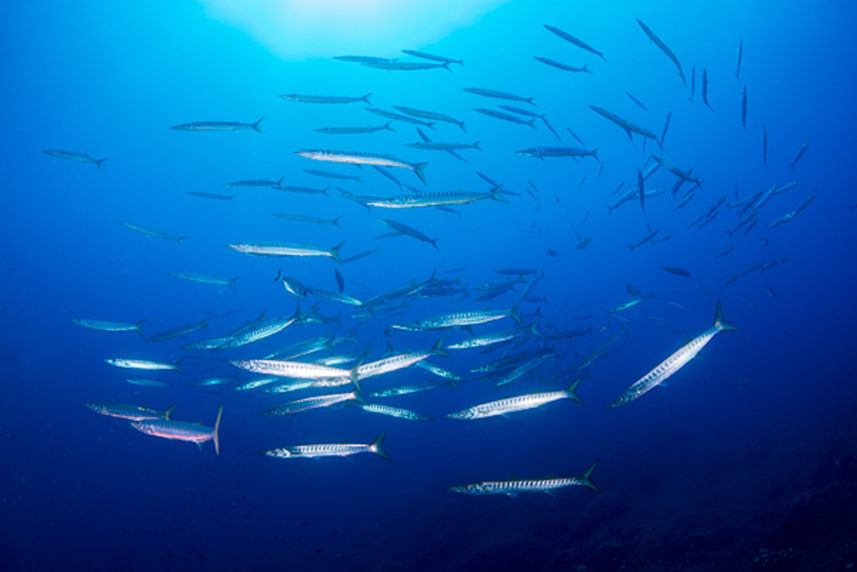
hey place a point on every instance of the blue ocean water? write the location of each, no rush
(745, 459)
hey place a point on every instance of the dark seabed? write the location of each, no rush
(501, 185)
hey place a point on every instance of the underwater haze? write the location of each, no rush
(487, 285)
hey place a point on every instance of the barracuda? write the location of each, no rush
(293, 369)
(259, 333)
(513, 404)
(314, 402)
(286, 249)
(329, 450)
(457, 319)
(359, 158)
(495, 338)
(182, 431)
(105, 326)
(675, 362)
(143, 364)
(396, 412)
(130, 412)
(438, 371)
(435, 199)
(512, 488)
(407, 389)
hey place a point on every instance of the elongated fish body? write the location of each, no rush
(396, 412)
(399, 117)
(455, 319)
(739, 57)
(130, 412)
(259, 333)
(576, 41)
(353, 130)
(152, 232)
(293, 369)
(438, 371)
(744, 108)
(663, 47)
(75, 156)
(404, 66)
(203, 279)
(219, 126)
(495, 94)
(182, 431)
(387, 365)
(545, 152)
(495, 338)
(209, 344)
(522, 370)
(514, 404)
(402, 228)
(214, 196)
(310, 219)
(443, 146)
(335, 296)
(675, 362)
(505, 116)
(432, 57)
(176, 332)
(148, 383)
(430, 115)
(315, 402)
(256, 383)
(407, 389)
(329, 450)
(142, 364)
(359, 158)
(434, 199)
(644, 240)
(799, 154)
(513, 487)
(289, 386)
(625, 124)
(285, 249)
(254, 183)
(333, 175)
(562, 66)
(105, 326)
(325, 99)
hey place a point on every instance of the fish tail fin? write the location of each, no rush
(231, 282)
(216, 433)
(463, 127)
(334, 252)
(377, 447)
(389, 126)
(178, 366)
(168, 413)
(438, 350)
(513, 313)
(445, 65)
(495, 194)
(586, 69)
(336, 220)
(138, 325)
(98, 163)
(586, 478)
(418, 171)
(532, 123)
(279, 275)
(280, 182)
(529, 100)
(572, 391)
(533, 329)
(720, 322)
(257, 127)
(595, 154)
(476, 146)
(434, 243)
(355, 378)
(366, 98)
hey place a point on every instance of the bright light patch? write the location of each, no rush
(309, 28)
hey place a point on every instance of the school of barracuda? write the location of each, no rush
(524, 344)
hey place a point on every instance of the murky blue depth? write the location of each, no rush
(745, 458)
